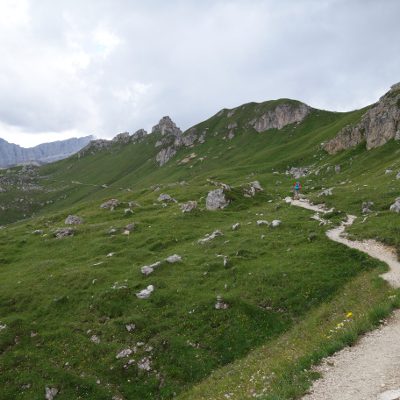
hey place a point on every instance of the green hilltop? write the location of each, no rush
(243, 315)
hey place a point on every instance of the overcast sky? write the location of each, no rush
(74, 68)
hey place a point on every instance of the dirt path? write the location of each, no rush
(370, 370)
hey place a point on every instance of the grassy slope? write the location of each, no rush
(275, 285)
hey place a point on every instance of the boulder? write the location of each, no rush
(210, 236)
(129, 228)
(275, 223)
(366, 207)
(166, 198)
(144, 364)
(326, 192)
(38, 232)
(262, 222)
(220, 304)
(95, 339)
(124, 353)
(63, 232)
(130, 327)
(50, 393)
(149, 269)
(73, 220)
(216, 200)
(110, 204)
(396, 205)
(236, 226)
(252, 189)
(173, 259)
(145, 293)
(189, 206)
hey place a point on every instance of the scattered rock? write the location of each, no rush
(38, 232)
(216, 200)
(173, 259)
(298, 172)
(63, 232)
(262, 222)
(275, 223)
(144, 364)
(236, 226)
(130, 327)
(388, 171)
(149, 269)
(398, 175)
(189, 206)
(95, 339)
(210, 236)
(145, 293)
(124, 353)
(252, 189)
(129, 229)
(326, 192)
(366, 207)
(110, 204)
(50, 393)
(166, 198)
(73, 220)
(2, 326)
(396, 205)
(220, 304)
(112, 231)
(337, 168)
(128, 211)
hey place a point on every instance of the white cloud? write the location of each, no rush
(107, 66)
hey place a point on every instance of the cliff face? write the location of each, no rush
(282, 115)
(378, 125)
(12, 154)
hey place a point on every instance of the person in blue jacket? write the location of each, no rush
(296, 190)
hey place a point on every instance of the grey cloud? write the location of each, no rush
(107, 66)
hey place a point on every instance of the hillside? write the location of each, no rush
(80, 319)
(12, 154)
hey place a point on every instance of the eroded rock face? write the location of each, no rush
(280, 116)
(378, 125)
(165, 155)
(216, 200)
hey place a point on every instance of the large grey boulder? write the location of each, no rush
(396, 205)
(73, 220)
(216, 200)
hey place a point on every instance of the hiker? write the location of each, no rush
(296, 190)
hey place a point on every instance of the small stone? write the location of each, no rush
(128, 211)
(220, 304)
(95, 339)
(166, 198)
(145, 293)
(236, 226)
(262, 222)
(50, 393)
(130, 327)
(208, 237)
(189, 206)
(174, 258)
(124, 353)
(63, 232)
(275, 223)
(148, 269)
(144, 364)
(110, 204)
(38, 232)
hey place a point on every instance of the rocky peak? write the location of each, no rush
(378, 125)
(166, 127)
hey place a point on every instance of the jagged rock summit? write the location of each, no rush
(378, 125)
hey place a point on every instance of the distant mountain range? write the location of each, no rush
(13, 154)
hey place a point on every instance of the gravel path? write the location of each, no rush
(370, 370)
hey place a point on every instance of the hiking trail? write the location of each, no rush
(369, 370)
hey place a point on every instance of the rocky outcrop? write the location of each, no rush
(395, 207)
(12, 154)
(378, 125)
(166, 127)
(280, 116)
(216, 200)
(165, 155)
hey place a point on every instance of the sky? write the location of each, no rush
(73, 68)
